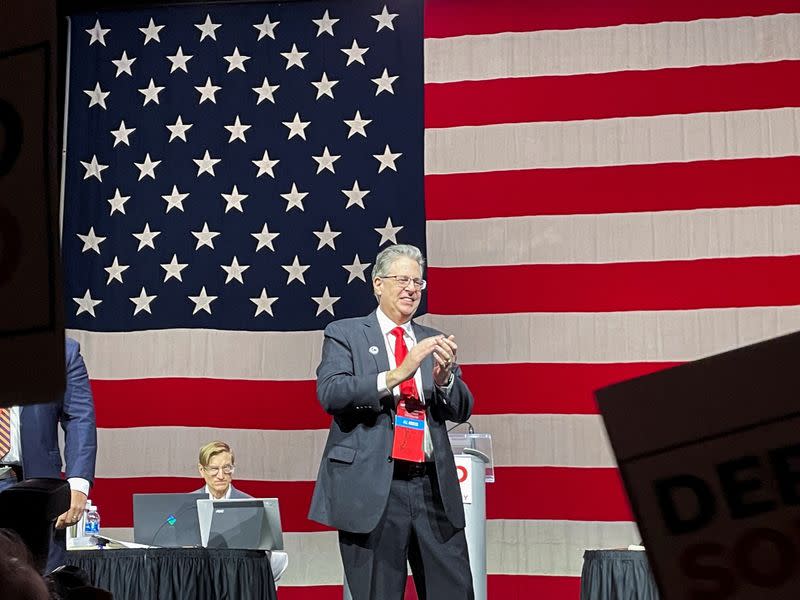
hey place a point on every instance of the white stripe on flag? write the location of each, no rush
(620, 141)
(271, 455)
(265, 455)
(620, 237)
(635, 336)
(551, 547)
(273, 355)
(619, 48)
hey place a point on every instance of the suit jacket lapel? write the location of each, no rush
(372, 332)
(374, 338)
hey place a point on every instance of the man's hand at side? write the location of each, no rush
(75, 511)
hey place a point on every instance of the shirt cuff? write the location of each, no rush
(382, 389)
(79, 484)
(448, 386)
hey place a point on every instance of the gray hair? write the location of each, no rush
(390, 254)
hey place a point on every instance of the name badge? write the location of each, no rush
(409, 434)
(418, 424)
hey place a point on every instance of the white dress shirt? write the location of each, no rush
(226, 496)
(386, 325)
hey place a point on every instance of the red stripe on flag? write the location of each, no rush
(331, 592)
(557, 493)
(615, 189)
(564, 500)
(508, 587)
(668, 285)
(554, 388)
(450, 18)
(525, 587)
(194, 402)
(114, 496)
(311, 592)
(518, 587)
(550, 388)
(620, 94)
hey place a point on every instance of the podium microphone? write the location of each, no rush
(470, 447)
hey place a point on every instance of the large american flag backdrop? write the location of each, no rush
(602, 189)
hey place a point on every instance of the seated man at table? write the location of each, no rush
(216, 466)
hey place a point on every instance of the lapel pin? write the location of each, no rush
(373, 350)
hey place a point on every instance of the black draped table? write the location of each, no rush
(177, 573)
(617, 575)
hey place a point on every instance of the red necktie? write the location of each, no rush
(5, 431)
(408, 441)
(408, 389)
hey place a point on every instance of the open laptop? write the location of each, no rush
(168, 520)
(244, 523)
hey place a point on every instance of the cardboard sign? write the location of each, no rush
(31, 321)
(710, 455)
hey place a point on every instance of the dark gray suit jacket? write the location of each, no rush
(235, 494)
(355, 473)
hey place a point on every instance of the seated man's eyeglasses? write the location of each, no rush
(227, 469)
(404, 280)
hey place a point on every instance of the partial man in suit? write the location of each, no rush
(216, 465)
(387, 480)
(29, 445)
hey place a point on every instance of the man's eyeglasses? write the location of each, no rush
(227, 469)
(404, 280)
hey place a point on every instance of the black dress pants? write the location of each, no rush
(414, 528)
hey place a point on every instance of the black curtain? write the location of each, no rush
(168, 573)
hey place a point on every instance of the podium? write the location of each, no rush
(473, 456)
(474, 463)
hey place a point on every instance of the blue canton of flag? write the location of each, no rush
(239, 166)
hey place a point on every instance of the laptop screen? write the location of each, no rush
(247, 523)
(167, 520)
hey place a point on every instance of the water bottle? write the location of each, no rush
(92, 526)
